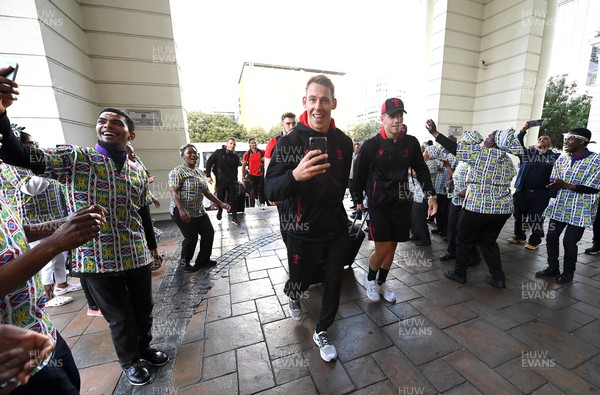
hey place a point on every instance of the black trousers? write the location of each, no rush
(229, 191)
(310, 260)
(596, 239)
(529, 213)
(572, 236)
(59, 377)
(258, 188)
(126, 303)
(479, 229)
(420, 230)
(190, 230)
(88, 294)
(453, 215)
(441, 218)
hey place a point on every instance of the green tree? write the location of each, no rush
(261, 135)
(364, 131)
(563, 109)
(206, 128)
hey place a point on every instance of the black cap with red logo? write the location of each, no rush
(391, 106)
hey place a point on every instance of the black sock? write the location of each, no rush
(372, 274)
(382, 276)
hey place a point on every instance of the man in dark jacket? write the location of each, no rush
(224, 163)
(312, 213)
(382, 171)
(531, 195)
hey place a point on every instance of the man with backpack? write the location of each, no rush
(253, 165)
(382, 171)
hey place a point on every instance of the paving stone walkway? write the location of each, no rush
(228, 329)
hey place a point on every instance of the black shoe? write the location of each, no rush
(236, 221)
(496, 283)
(205, 264)
(447, 257)
(137, 374)
(593, 250)
(435, 231)
(190, 269)
(219, 214)
(451, 274)
(154, 357)
(547, 272)
(564, 278)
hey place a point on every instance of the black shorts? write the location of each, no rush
(390, 224)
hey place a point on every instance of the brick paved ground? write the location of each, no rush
(228, 329)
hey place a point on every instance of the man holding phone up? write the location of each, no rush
(312, 214)
(382, 171)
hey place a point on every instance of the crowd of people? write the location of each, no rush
(94, 202)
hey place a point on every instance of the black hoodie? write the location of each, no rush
(313, 209)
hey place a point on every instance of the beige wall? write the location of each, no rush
(513, 38)
(77, 57)
(266, 93)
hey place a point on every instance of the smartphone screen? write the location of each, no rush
(535, 122)
(319, 143)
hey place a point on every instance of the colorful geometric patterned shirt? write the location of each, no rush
(459, 177)
(489, 176)
(415, 187)
(24, 306)
(574, 208)
(92, 178)
(11, 179)
(192, 184)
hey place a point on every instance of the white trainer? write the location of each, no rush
(295, 309)
(387, 292)
(373, 290)
(326, 349)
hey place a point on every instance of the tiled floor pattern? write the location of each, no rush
(228, 330)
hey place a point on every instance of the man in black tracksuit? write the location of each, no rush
(312, 214)
(224, 163)
(382, 171)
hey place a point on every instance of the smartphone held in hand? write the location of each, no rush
(318, 143)
(535, 122)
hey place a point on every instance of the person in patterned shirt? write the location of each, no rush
(117, 264)
(576, 176)
(22, 297)
(188, 186)
(488, 201)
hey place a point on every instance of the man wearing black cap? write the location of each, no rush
(577, 178)
(382, 171)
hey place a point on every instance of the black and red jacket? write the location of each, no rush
(381, 170)
(313, 209)
(224, 164)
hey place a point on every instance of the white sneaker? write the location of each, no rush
(295, 309)
(387, 292)
(373, 290)
(326, 349)
(58, 300)
(69, 288)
